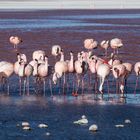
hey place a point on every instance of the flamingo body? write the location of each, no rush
(15, 40)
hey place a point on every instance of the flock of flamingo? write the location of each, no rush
(86, 62)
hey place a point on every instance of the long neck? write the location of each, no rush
(71, 59)
(46, 64)
(101, 84)
(35, 71)
(62, 57)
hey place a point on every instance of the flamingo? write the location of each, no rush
(38, 57)
(116, 43)
(90, 44)
(128, 67)
(137, 71)
(19, 58)
(119, 72)
(60, 68)
(70, 64)
(103, 71)
(15, 40)
(43, 71)
(6, 70)
(93, 63)
(81, 67)
(105, 44)
(25, 71)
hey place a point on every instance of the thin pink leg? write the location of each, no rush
(20, 85)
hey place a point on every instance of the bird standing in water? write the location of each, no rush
(15, 40)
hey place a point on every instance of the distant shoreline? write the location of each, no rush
(69, 4)
(30, 10)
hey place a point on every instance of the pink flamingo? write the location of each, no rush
(119, 72)
(128, 67)
(90, 44)
(70, 63)
(81, 67)
(105, 44)
(116, 43)
(25, 71)
(103, 71)
(93, 63)
(137, 71)
(43, 71)
(6, 70)
(15, 40)
(60, 69)
(19, 58)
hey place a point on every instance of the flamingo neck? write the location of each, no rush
(35, 71)
(102, 79)
(62, 57)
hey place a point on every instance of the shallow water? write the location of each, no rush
(59, 113)
(41, 30)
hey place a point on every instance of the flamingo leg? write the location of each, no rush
(24, 87)
(117, 85)
(95, 83)
(101, 86)
(64, 82)
(3, 82)
(78, 83)
(28, 86)
(108, 89)
(20, 85)
(67, 84)
(8, 86)
(59, 86)
(73, 86)
(89, 81)
(50, 83)
(102, 79)
(137, 79)
(44, 85)
(125, 84)
(82, 84)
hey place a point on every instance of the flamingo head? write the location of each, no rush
(71, 53)
(22, 62)
(116, 72)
